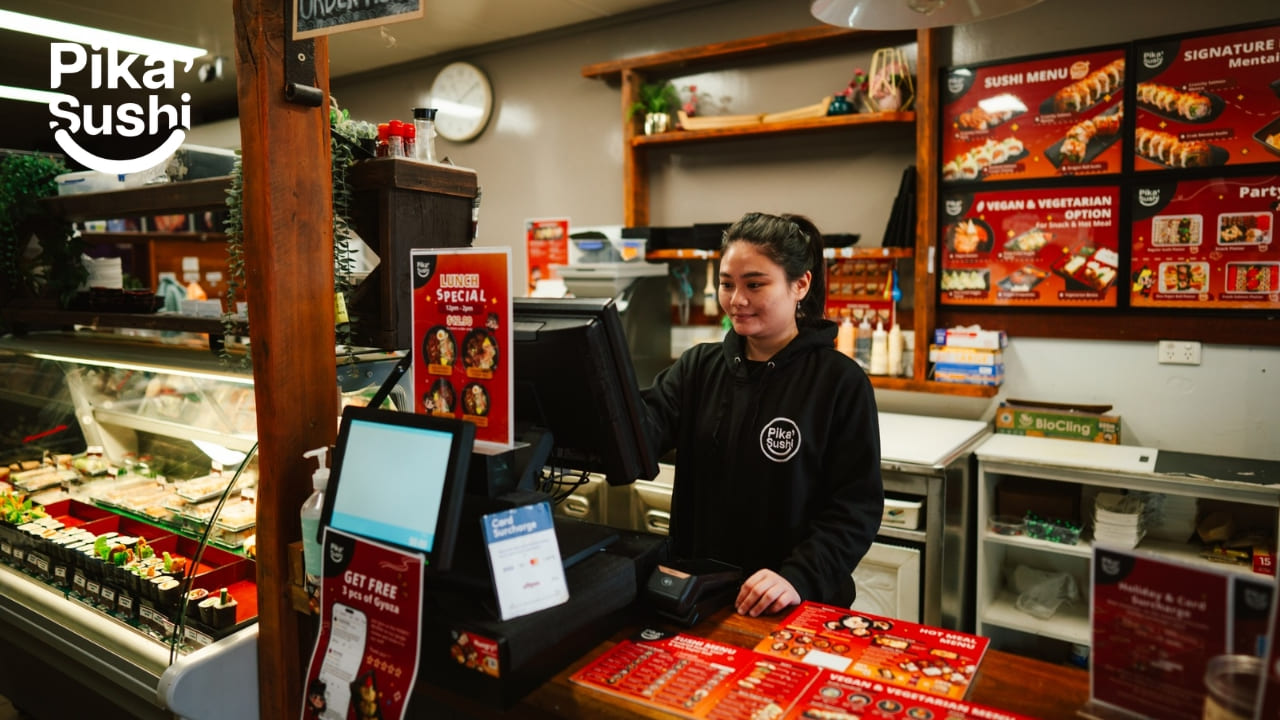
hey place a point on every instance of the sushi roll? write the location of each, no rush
(1013, 147)
(168, 593)
(1069, 99)
(207, 606)
(1082, 132)
(1194, 106)
(194, 597)
(1074, 150)
(1191, 154)
(951, 171)
(1108, 125)
(969, 169)
(224, 611)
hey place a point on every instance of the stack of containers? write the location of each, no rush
(968, 355)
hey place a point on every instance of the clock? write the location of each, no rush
(463, 99)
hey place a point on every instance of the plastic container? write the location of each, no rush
(901, 513)
(1007, 525)
(312, 559)
(1232, 682)
(1055, 530)
(424, 122)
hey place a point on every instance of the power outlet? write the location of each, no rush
(1178, 352)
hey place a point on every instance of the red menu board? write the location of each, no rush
(1206, 244)
(366, 653)
(896, 652)
(462, 338)
(1042, 117)
(1043, 247)
(1155, 625)
(546, 244)
(834, 696)
(1208, 100)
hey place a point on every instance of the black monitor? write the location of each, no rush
(574, 378)
(398, 478)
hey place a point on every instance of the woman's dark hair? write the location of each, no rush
(794, 243)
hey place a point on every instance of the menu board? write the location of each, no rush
(1208, 101)
(462, 338)
(1206, 244)
(1041, 247)
(698, 678)
(896, 652)
(1057, 116)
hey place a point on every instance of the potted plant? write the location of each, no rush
(657, 101)
(49, 267)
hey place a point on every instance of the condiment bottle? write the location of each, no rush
(879, 351)
(312, 559)
(384, 136)
(896, 344)
(410, 140)
(844, 337)
(862, 344)
(424, 121)
(395, 139)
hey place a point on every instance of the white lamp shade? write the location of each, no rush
(910, 14)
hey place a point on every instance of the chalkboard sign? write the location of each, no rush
(326, 17)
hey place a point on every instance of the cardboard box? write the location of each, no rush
(965, 356)
(1058, 421)
(973, 337)
(968, 374)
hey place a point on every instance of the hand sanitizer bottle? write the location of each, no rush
(312, 559)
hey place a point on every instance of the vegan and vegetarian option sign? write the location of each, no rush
(1206, 244)
(1042, 247)
(1208, 100)
(462, 339)
(1041, 117)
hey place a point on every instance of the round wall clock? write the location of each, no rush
(463, 99)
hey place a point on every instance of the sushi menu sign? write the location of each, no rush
(462, 338)
(1042, 247)
(1208, 100)
(1206, 244)
(1057, 116)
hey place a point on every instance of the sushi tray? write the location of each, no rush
(1089, 269)
(1024, 279)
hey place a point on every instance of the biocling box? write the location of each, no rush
(1055, 421)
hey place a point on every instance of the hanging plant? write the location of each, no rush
(52, 264)
(233, 226)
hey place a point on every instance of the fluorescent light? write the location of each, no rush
(194, 374)
(45, 27)
(44, 97)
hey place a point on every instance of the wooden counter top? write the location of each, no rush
(1005, 681)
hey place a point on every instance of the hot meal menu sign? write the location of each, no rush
(1208, 100)
(1041, 247)
(462, 337)
(1057, 116)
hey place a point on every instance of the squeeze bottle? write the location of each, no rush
(896, 344)
(879, 351)
(844, 337)
(312, 559)
(862, 344)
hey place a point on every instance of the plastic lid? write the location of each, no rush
(424, 113)
(319, 478)
(384, 129)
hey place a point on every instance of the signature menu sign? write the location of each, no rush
(1206, 244)
(1208, 100)
(462, 339)
(1042, 117)
(312, 18)
(1042, 247)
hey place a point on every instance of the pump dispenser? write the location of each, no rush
(312, 559)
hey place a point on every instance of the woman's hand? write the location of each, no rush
(765, 592)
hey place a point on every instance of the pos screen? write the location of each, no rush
(398, 479)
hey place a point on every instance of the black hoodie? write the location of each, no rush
(777, 462)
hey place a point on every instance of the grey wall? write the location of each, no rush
(553, 148)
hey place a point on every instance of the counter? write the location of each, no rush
(1009, 682)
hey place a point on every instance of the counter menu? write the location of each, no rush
(1206, 244)
(1058, 116)
(1208, 101)
(1044, 247)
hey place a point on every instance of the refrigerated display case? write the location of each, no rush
(148, 439)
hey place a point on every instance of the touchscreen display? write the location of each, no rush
(391, 483)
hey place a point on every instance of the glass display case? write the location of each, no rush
(126, 537)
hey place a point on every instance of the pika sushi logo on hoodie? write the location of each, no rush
(780, 439)
(153, 129)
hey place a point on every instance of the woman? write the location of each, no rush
(776, 433)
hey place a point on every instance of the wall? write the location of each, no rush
(553, 148)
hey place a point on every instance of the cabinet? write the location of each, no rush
(1070, 469)
(631, 72)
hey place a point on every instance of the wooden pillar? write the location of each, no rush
(927, 104)
(288, 211)
(635, 162)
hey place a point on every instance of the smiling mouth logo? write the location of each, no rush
(160, 126)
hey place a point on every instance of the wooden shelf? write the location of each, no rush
(127, 236)
(48, 318)
(682, 254)
(869, 253)
(787, 127)
(1227, 327)
(885, 382)
(161, 199)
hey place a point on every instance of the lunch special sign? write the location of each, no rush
(1048, 116)
(1038, 247)
(1208, 100)
(462, 337)
(1206, 244)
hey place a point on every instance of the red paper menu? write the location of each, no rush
(1208, 100)
(366, 654)
(835, 696)
(1057, 116)
(462, 338)
(928, 659)
(1045, 247)
(546, 244)
(1206, 244)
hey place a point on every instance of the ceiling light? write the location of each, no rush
(44, 97)
(909, 14)
(94, 37)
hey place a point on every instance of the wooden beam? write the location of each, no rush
(926, 286)
(288, 219)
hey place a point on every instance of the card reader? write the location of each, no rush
(686, 591)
